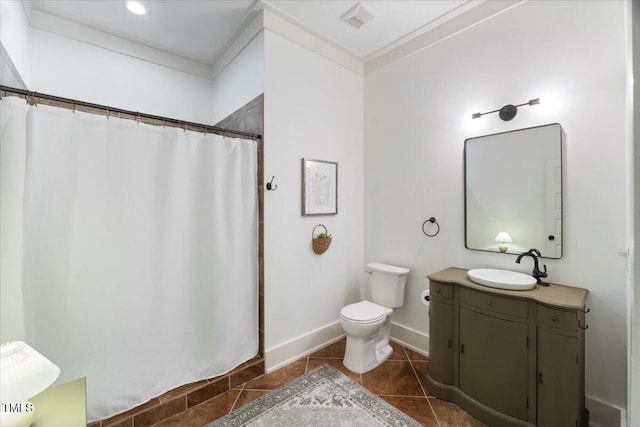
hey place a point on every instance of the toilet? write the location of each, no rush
(368, 323)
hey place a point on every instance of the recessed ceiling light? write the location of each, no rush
(135, 7)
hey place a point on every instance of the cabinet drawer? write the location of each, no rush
(441, 290)
(557, 318)
(494, 303)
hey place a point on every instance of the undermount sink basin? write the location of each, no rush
(502, 279)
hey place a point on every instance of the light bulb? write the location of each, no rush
(135, 7)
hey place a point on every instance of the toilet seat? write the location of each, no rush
(363, 312)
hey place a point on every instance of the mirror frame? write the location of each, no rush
(562, 138)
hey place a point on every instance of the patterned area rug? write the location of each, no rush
(322, 397)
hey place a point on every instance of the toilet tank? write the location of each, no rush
(387, 284)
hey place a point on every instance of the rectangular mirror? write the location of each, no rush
(513, 191)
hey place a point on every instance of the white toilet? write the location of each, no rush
(368, 324)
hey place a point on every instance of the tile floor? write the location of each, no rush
(399, 381)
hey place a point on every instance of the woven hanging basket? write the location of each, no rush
(320, 244)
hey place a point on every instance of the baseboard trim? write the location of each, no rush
(603, 414)
(292, 350)
(410, 338)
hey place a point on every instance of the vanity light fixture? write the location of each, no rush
(503, 238)
(507, 112)
(135, 7)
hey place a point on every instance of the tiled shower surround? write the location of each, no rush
(183, 398)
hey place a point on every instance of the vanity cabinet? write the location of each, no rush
(560, 374)
(441, 313)
(510, 358)
(493, 362)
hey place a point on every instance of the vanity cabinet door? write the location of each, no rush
(558, 379)
(441, 341)
(493, 362)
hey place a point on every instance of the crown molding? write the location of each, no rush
(275, 20)
(82, 33)
(447, 25)
(430, 26)
(238, 44)
(462, 18)
(290, 28)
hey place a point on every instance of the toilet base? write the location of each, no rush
(364, 354)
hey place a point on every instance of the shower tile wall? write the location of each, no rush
(184, 398)
(249, 118)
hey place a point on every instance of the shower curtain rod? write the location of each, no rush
(34, 98)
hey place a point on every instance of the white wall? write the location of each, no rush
(72, 69)
(241, 81)
(313, 109)
(633, 34)
(9, 75)
(417, 116)
(14, 37)
(62, 66)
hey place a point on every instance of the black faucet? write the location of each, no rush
(537, 274)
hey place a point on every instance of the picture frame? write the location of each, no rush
(319, 187)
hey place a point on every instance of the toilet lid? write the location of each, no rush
(363, 311)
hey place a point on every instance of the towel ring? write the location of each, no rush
(432, 220)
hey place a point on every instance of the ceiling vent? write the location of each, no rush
(358, 15)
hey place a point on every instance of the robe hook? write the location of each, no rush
(271, 186)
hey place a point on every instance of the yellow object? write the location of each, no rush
(62, 405)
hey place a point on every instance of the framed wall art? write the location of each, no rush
(319, 187)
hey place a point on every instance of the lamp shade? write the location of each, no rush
(503, 237)
(24, 372)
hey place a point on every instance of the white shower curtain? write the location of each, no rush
(139, 267)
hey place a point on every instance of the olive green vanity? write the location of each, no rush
(509, 358)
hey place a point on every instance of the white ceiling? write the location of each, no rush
(394, 20)
(202, 30)
(198, 30)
